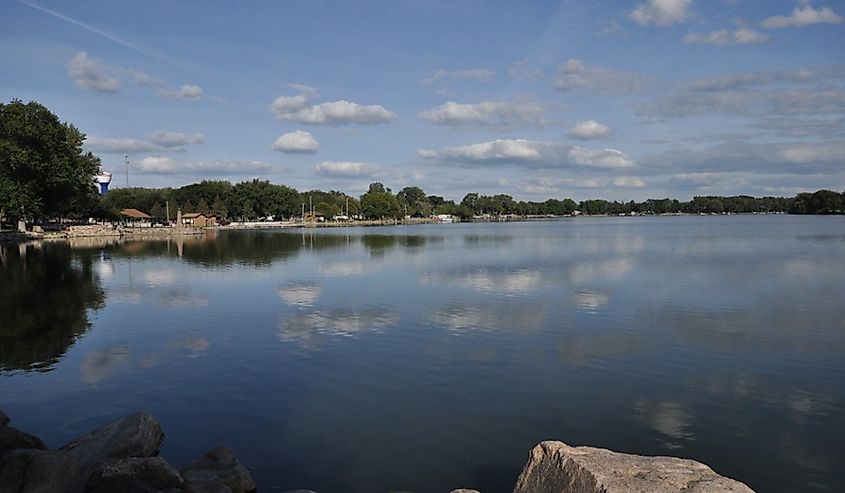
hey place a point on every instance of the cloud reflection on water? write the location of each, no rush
(668, 418)
(101, 364)
(308, 328)
(612, 270)
(301, 293)
(104, 363)
(342, 268)
(488, 280)
(590, 301)
(460, 317)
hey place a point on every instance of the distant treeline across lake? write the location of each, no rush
(255, 199)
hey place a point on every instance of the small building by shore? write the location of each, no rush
(198, 220)
(135, 218)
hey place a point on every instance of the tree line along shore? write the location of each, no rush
(256, 199)
(45, 176)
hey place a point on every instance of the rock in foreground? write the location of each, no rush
(135, 474)
(555, 467)
(136, 435)
(39, 471)
(219, 466)
(12, 439)
(120, 457)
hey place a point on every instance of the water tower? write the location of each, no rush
(103, 179)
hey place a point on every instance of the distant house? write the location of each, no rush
(136, 218)
(198, 220)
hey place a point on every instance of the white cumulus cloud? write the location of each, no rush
(288, 104)
(163, 165)
(724, 37)
(628, 182)
(186, 92)
(485, 113)
(346, 169)
(309, 91)
(90, 74)
(575, 74)
(587, 130)
(792, 92)
(157, 165)
(143, 78)
(176, 139)
(296, 109)
(529, 153)
(118, 145)
(159, 141)
(802, 16)
(298, 142)
(661, 12)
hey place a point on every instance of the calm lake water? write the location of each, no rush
(434, 357)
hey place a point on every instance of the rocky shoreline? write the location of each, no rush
(122, 457)
(97, 231)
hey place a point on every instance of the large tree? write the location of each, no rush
(379, 203)
(414, 201)
(43, 171)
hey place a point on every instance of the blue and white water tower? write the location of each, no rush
(103, 179)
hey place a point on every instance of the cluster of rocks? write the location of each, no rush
(91, 230)
(121, 457)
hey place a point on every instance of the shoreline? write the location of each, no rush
(11, 237)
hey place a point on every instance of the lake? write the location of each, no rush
(431, 357)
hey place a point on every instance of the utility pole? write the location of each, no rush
(167, 204)
(126, 157)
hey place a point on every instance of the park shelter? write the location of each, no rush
(136, 218)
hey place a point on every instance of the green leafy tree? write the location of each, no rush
(205, 190)
(472, 202)
(327, 209)
(158, 211)
(203, 207)
(266, 199)
(43, 171)
(143, 199)
(379, 203)
(218, 208)
(414, 201)
(377, 187)
(248, 209)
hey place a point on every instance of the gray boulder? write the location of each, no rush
(134, 474)
(12, 439)
(39, 471)
(136, 435)
(206, 487)
(218, 467)
(554, 467)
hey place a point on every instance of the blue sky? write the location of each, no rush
(614, 99)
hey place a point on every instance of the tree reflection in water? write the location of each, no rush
(45, 293)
